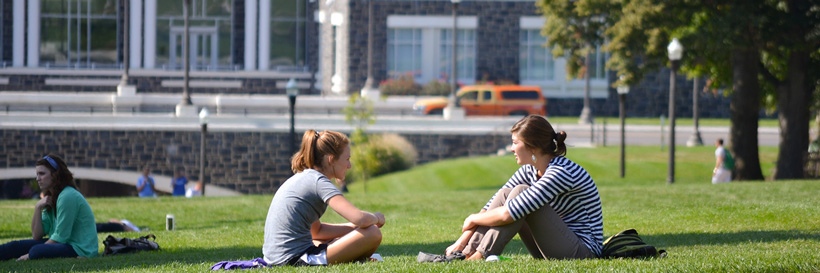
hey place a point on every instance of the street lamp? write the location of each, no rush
(623, 89)
(675, 50)
(370, 90)
(695, 139)
(292, 92)
(186, 49)
(203, 122)
(453, 111)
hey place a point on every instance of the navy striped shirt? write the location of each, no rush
(569, 190)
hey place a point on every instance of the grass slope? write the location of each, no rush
(751, 226)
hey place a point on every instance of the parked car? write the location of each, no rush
(495, 100)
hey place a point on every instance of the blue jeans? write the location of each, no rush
(36, 249)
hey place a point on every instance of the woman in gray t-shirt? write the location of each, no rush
(293, 233)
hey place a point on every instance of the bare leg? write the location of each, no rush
(358, 244)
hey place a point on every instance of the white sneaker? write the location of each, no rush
(130, 225)
(376, 258)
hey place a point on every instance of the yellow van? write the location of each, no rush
(494, 100)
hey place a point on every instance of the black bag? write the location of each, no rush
(114, 245)
(627, 244)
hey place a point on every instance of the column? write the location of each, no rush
(19, 34)
(250, 35)
(135, 33)
(264, 34)
(33, 39)
(150, 38)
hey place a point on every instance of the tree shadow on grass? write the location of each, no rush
(728, 238)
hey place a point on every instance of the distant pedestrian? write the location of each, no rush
(178, 182)
(145, 184)
(721, 173)
(194, 191)
(62, 214)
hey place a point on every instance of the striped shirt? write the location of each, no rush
(569, 190)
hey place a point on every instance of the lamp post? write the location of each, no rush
(370, 90)
(125, 40)
(695, 139)
(292, 92)
(203, 122)
(186, 49)
(453, 111)
(623, 89)
(675, 50)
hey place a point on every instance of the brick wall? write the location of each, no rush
(248, 162)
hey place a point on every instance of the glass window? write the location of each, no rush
(210, 34)
(488, 95)
(520, 95)
(470, 95)
(79, 33)
(287, 33)
(404, 52)
(597, 64)
(465, 55)
(536, 61)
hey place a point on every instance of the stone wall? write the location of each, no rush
(248, 162)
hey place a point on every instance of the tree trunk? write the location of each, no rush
(793, 98)
(745, 108)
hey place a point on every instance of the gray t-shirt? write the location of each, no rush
(299, 202)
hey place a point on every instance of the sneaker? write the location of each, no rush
(130, 225)
(434, 258)
(376, 258)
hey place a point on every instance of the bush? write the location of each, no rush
(380, 154)
(436, 88)
(404, 85)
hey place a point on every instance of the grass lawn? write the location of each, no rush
(749, 226)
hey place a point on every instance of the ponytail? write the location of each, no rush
(315, 147)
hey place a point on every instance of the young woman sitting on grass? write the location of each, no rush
(293, 233)
(63, 214)
(551, 202)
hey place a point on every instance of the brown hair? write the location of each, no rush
(537, 134)
(316, 146)
(61, 177)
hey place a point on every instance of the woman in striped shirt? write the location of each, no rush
(551, 202)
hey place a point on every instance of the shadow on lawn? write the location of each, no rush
(184, 257)
(515, 246)
(729, 238)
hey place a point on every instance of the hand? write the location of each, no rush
(457, 246)
(41, 203)
(23, 258)
(380, 221)
(468, 223)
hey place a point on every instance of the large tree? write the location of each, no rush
(734, 43)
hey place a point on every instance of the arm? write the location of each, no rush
(322, 231)
(140, 184)
(37, 231)
(358, 218)
(495, 217)
(718, 162)
(462, 241)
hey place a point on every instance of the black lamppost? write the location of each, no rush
(695, 139)
(203, 123)
(454, 76)
(623, 89)
(675, 50)
(292, 92)
(125, 42)
(186, 47)
(369, 84)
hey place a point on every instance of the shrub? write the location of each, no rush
(380, 154)
(436, 88)
(404, 85)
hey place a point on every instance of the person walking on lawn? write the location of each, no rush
(293, 233)
(551, 202)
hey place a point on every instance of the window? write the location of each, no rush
(210, 34)
(79, 33)
(520, 95)
(404, 52)
(470, 95)
(536, 60)
(422, 46)
(597, 62)
(287, 33)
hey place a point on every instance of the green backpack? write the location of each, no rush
(728, 161)
(627, 244)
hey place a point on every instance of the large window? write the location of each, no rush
(422, 46)
(79, 33)
(287, 34)
(597, 64)
(209, 34)
(536, 59)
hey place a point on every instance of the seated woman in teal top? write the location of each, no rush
(63, 215)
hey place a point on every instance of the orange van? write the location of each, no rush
(494, 100)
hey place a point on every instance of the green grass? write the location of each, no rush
(749, 226)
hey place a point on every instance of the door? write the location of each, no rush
(204, 49)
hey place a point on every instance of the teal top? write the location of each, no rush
(73, 223)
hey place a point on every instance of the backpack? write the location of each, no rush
(728, 161)
(627, 244)
(114, 245)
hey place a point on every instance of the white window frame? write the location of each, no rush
(559, 86)
(431, 27)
